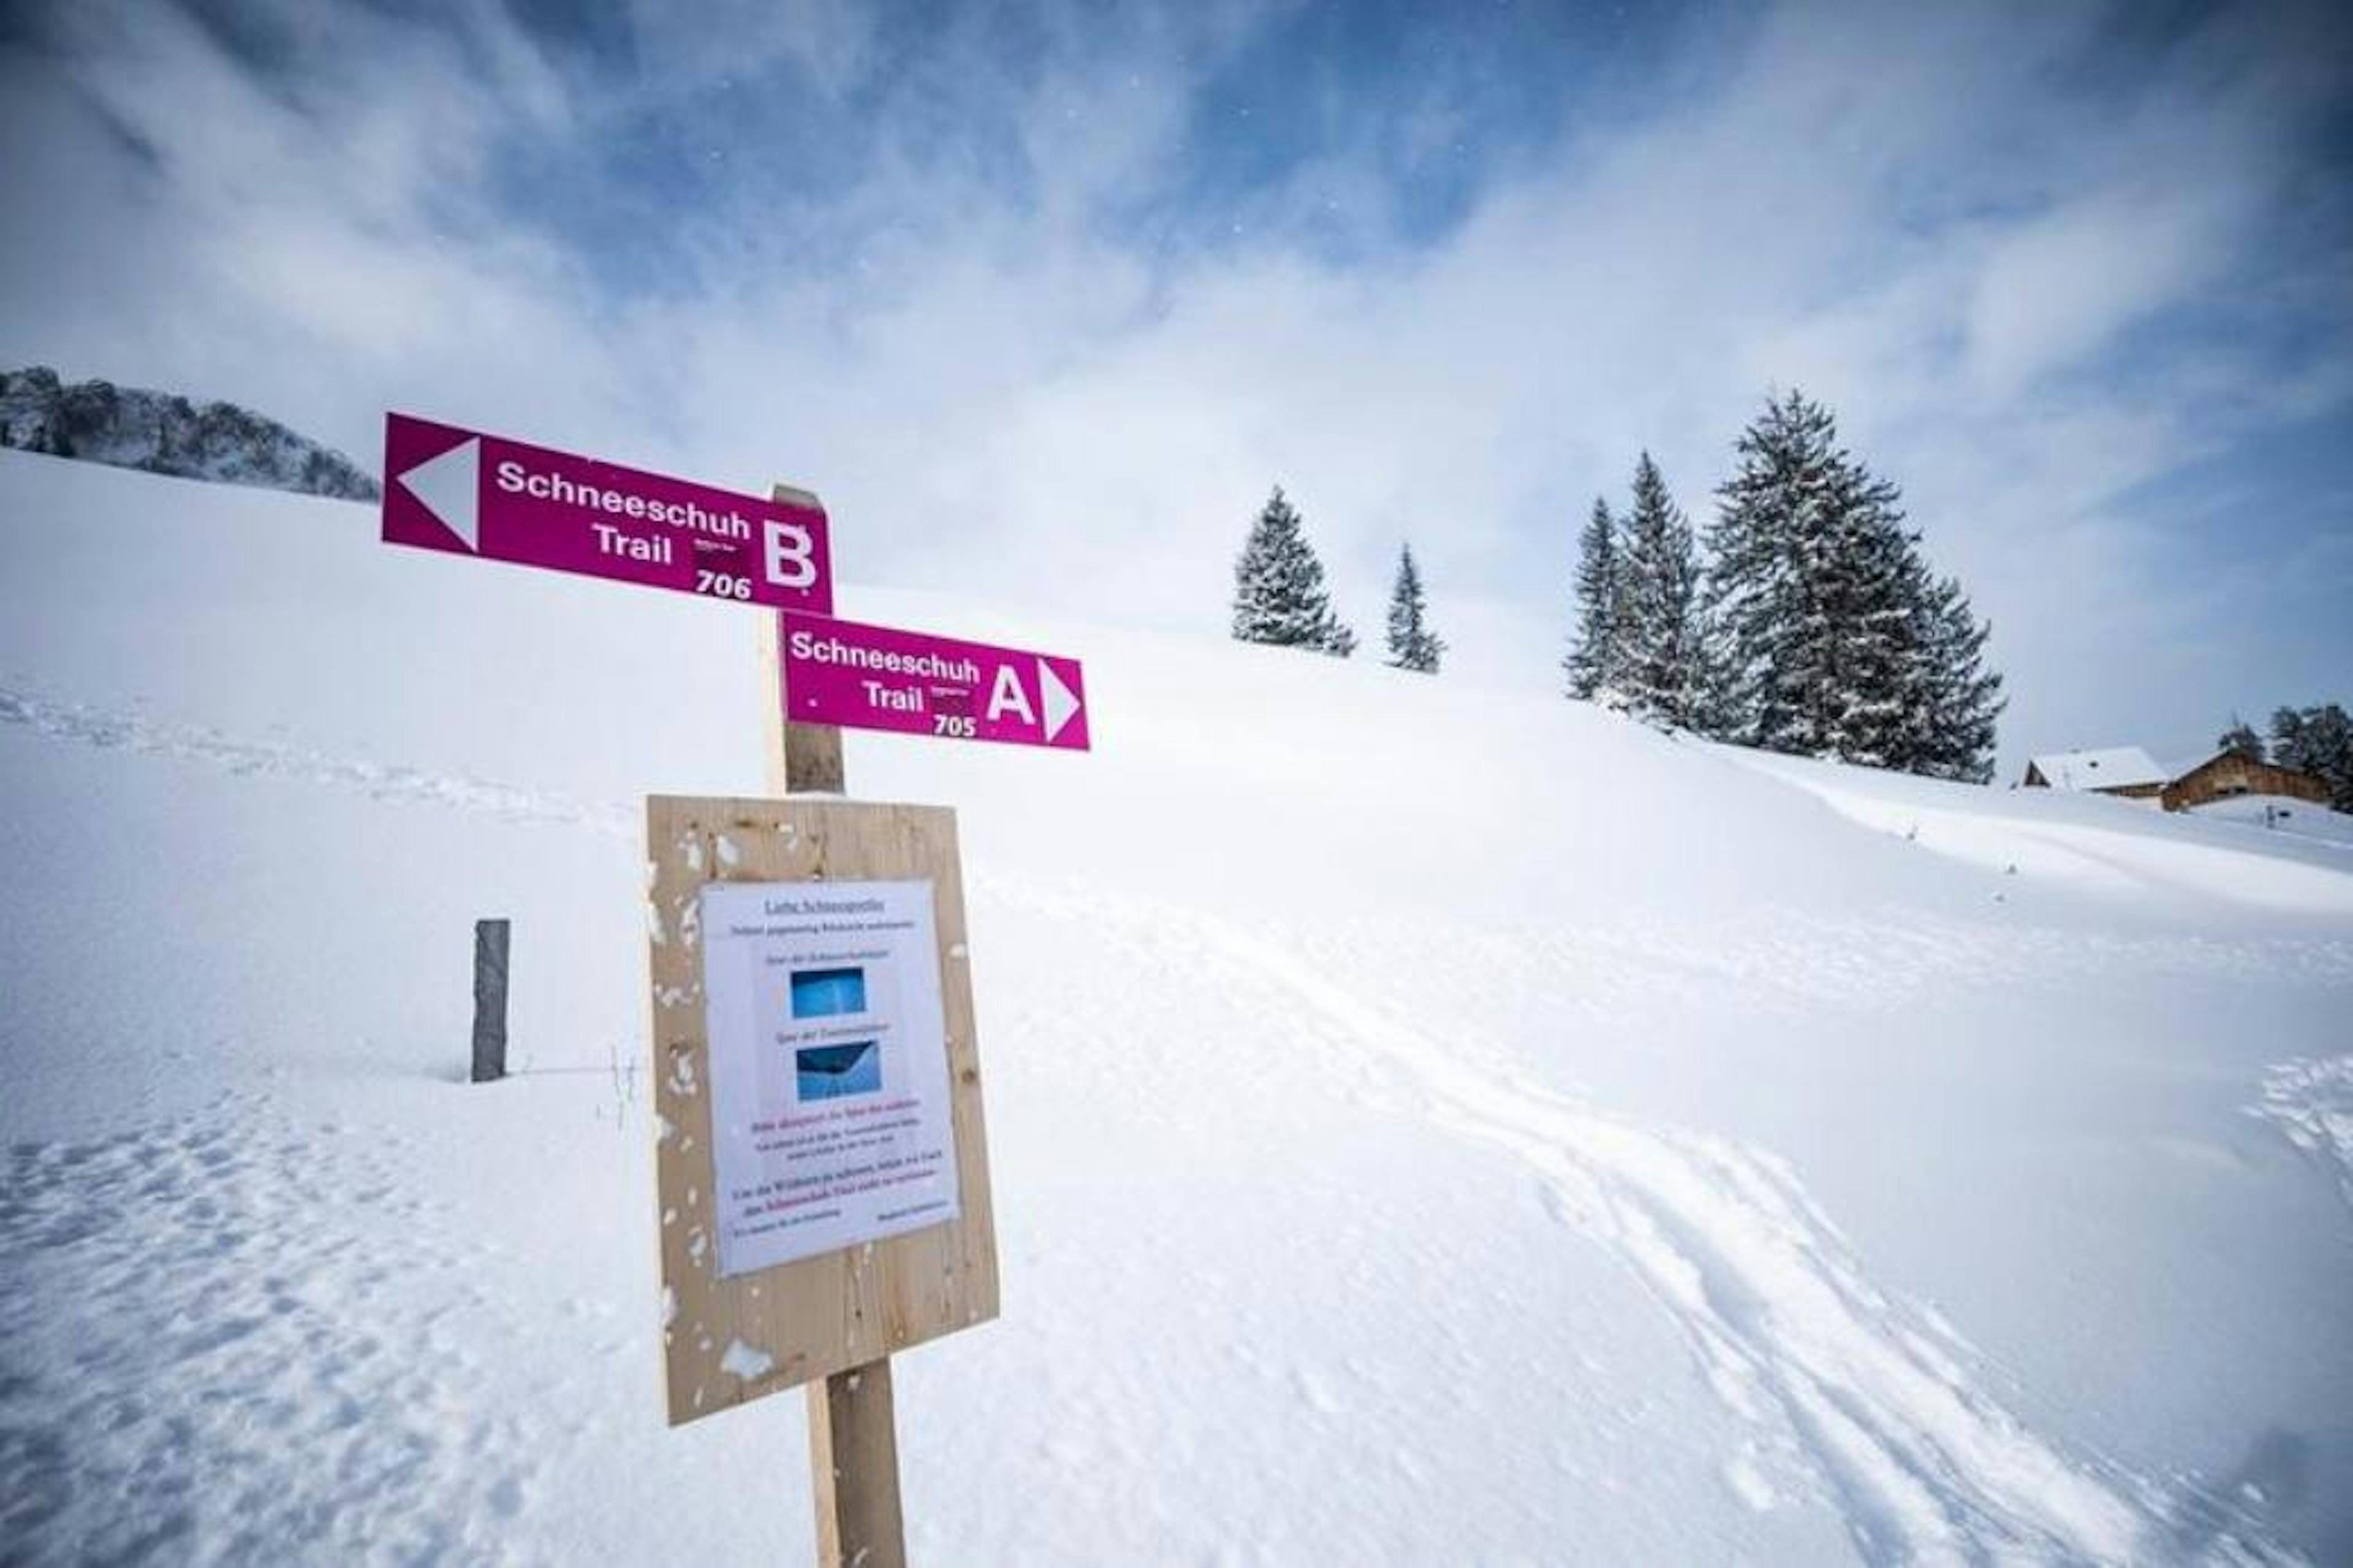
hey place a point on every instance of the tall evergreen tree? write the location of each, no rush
(1660, 645)
(1757, 591)
(1412, 644)
(1593, 664)
(1836, 640)
(1846, 661)
(2241, 740)
(1279, 593)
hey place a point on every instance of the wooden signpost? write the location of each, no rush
(822, 1166)
(832, 1321)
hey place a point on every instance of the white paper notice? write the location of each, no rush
(828, 1066)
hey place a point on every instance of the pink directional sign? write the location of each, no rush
(472, 494)
(875, 678)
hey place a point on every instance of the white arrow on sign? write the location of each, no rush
(1061, 704)
(450, 488)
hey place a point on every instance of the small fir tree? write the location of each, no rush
(1593, 664)
(2241, 740)
(1279, 593)
(1412, 644)
(1660, 645)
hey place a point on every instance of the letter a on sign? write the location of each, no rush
(1005, 694)
(960, 690)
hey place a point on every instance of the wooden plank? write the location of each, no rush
(854, 1467)
(844, 1309)
(797, 759)
(812, 759)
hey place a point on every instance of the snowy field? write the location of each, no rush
(1429, 1125)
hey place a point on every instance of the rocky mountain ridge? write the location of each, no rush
(165, 433)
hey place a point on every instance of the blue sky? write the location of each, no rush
(1043, 299)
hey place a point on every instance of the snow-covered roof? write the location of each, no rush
(2111, 767)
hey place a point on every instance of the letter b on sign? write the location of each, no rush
(789, 562)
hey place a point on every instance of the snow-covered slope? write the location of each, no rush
(1429, 1125)
(2282, 814)
(2093, 841)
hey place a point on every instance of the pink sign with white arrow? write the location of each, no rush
(472, 494)
(877, 678)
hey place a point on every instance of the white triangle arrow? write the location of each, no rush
(450, 488)
(1061, 704)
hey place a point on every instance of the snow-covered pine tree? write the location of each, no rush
(1757, 592)
(1836, 640)
(1866, 648)
(1660, 645)
(2241, 740)
(2319, 742)
(1592, 664)
(1279, 593)
(1951, 699)
(1412, 644)
(1716, 710)
(2287, 739)
(2333, 752)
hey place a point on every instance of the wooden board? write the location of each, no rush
(843, 1310)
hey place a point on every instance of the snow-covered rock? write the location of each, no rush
(163, 433)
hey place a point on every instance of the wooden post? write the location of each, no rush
(802, 759)
(490, 1001)
(854, 1467)
(853, 1430)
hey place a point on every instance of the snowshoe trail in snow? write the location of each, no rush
(1875, 1398)
(134, 733)
(232, 1373)
(275, 1400)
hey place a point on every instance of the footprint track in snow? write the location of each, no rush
(183, 1381)
(379, 780)
(1875, 1397)
(2310, 1100)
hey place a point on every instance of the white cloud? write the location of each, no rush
(999, 388)
(2054, 289)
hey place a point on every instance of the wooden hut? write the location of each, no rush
(2227, 774)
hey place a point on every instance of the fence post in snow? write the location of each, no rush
(490, 1000)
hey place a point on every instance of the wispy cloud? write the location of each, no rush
(1043, 299)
